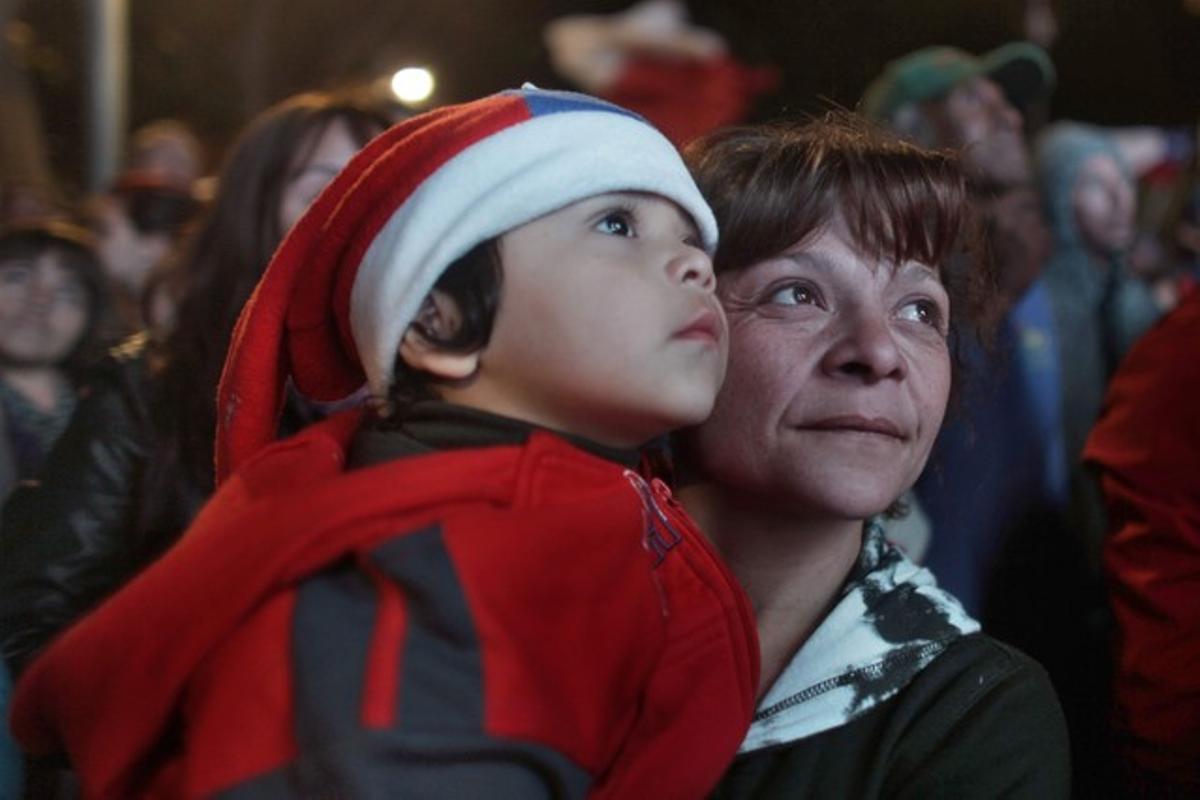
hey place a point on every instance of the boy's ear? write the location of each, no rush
(439, 317)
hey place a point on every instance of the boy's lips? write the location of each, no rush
(705, 325)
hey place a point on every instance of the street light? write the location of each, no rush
(412, 85)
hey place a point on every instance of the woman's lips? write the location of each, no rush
(852, 423)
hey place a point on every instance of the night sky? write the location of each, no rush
(213, 63)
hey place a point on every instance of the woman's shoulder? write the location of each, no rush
(978, 676)
(982, 717)
(984, 714)
(981, 720)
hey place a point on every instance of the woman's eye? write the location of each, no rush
(926, 312)
(617, 223)
(795, 294)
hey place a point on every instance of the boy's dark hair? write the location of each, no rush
(473, 283)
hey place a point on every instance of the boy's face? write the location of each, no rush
(608, 326)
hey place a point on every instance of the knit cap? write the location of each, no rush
(349, 278)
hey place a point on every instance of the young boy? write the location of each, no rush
(469, 592)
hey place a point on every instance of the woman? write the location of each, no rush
(831, 269)
(136, 463)
(51, 304)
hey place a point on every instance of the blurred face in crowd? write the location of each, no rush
(977, 117)
(128, 255)
(839, 374)
(43, 310)
(332, 149)
(1103, 202)
(172, 158)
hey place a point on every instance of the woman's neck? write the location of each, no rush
(792, 566)
(40, 386)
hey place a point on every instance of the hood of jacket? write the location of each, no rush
(890, 622)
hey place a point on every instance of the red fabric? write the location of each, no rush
(297, 321)
(686, 99)
(640, 671)
(1147, 447)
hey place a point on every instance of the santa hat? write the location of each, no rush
(349, 278)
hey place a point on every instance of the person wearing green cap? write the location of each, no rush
(945, 97)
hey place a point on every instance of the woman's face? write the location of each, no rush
(43, 310)
(335, 145)
(1104, 205)
(838, 378)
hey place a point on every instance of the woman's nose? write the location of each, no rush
(692, 266)
(864, 348)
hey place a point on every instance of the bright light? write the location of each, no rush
(412, 85)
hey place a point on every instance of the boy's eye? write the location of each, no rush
(926, 312)
(795, 294)
(616, 223)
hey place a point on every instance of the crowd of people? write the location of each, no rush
(613, 445)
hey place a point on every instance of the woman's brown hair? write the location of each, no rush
(774, 185)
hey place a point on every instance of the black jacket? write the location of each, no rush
(981, 721)
(95, 517)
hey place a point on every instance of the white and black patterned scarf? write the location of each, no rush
(890, 621)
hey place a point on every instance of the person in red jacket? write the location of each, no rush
(468, 590)
(1146, 449)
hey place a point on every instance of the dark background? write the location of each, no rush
(213, 63)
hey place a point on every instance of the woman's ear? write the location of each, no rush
(438, 318)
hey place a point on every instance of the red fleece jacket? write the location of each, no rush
(529, 619)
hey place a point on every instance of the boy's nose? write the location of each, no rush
(692, 266)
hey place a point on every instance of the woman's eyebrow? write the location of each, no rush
(915, 270)
(807, 258)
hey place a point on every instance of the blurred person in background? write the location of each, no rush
(136, 462)
(1088, 192)
(1146, 450)
(651, 58)
(52, 303)
(142, 218)
(166, 150)
(139, 224)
